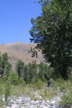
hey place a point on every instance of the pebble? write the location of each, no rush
(28, 102)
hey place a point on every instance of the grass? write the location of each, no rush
(67, 99)
(40, 91)
(65, 86)
(1, 104)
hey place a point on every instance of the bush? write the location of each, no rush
(30, 72)
(26, 74)
(67, 99)
(2, 85)
(7, 90)
(39, 84)
(70, 77)
(5, 66)
(0, 89)
(42, 71)
(13, 78)
(45, 71)
(20, 68)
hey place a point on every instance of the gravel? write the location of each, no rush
(27, 102)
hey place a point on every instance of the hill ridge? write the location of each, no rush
(20, 50)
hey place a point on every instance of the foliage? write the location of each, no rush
(19, 68)
(45, 72)
(33, 51)
(7, 90)
(1, 104)
(5, 66)
(38, 87)
(13, 78)
(39, 84)
(26, 74)
(67, 99)
(33, 71)
(70, 70)
(30, 72)
(52, 30)
(65, 87)
(2, 86)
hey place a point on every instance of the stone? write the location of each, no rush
(28, 102)
(71, 106)
(50, 82)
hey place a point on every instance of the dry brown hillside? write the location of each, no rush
(20, 51)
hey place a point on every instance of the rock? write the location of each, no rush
(3, 98)
(50, 82)
(28, 102)
(67, 106)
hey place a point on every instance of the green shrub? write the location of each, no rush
(5, 66)
(20, 68)
(13, 78)
(2, 85)
(1, 104)
(70, 77)
(30, 72)
(7, 90)
(39, 84)
(67, 99)
(45, 71)
(26, 74)
(42, 71)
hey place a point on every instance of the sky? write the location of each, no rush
(15, 20)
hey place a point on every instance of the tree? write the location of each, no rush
(34, 52)
(42, 71)
(20, 68)
(33, 71)
(4, 63)
(53, 33)
(5, 66)
(30, 72)
(26, 74)
(45, 71)
(0, 65)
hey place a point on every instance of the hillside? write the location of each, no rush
(20, 51)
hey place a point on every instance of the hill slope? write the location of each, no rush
(20, 51)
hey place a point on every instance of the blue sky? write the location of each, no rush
(15, 17)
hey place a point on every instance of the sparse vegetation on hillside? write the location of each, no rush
(21, 51)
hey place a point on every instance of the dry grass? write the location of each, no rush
(20, 51)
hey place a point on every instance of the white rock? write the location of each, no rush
(27, 102)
